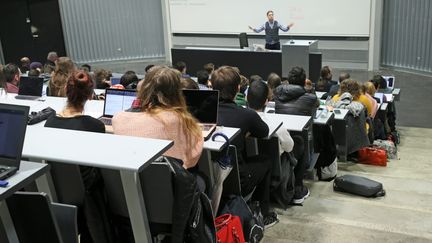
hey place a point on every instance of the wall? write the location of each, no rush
(407, 35)
(112, 30)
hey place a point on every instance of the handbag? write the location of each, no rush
(36, 117)
(229, 229)
(372, 156)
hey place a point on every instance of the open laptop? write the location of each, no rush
(13, 124)
(30, 88)
(203, 105)
(380, 97)
(390, 81)
(116, 100)
(115, 81)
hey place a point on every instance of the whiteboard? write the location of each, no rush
(311, 17)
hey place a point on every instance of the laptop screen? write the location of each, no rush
(390, 81)
(203, 104)
(117, 100)
(13, 124)
(380, 96)
(115, 81)
(30, 86)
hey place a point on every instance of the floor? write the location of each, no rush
(404, 214)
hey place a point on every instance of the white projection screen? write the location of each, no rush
(349, 18)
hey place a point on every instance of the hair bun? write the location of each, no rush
(81, 77)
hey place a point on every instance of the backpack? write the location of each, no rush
(251, 218)
(283, 191)
(388, 146)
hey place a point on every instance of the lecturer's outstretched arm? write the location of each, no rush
(257, 30)
(285, 29)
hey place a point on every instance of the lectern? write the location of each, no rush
(302, 53)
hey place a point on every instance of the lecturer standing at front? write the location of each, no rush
(272, 28)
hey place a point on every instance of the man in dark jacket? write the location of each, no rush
(254, 171)
(293, 99)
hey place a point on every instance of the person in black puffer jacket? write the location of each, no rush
(292, 98)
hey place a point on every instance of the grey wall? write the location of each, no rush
(407, 35)
(112, 30)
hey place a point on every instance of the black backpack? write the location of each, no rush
(250, 217)
(283, 191)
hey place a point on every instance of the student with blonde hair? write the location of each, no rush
(63, 70)
(161, 113)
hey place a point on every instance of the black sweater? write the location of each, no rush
(249, 122)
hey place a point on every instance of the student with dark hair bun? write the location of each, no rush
(79, 89)
(93, 223)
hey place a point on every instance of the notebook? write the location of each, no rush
(116, 100)
(13, 124)
(203, 105)
(30, 88)
(390, 81)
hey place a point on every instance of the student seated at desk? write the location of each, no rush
(161, 113)
(369, 90)
(325, 82)
(63, 70)
(240, 98)
(254, 171)
(292, 98)
(129, 80)
(92, 222)
(381, 86)
(353, 87)
(348, 99)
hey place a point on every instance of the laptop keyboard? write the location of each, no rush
(2, 170)
(105, 120)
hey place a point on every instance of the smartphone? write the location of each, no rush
(337, 112)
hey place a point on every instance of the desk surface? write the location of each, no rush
(290, 122)
(342, 115)
(323, 117)
(219, 142)
(92, 149)
(319, 94)
(27, 173)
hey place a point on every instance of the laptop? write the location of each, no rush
(116, 100)
(390, 81)
(380, 97)
(115, 81)
(203, 105)
(13, 124)
(30, 88)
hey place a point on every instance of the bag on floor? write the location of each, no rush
(358, 185)
(283, 193)
(372, 156)
(388, 146)
(251, 218)
(229, 229)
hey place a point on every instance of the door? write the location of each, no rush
(33, 29)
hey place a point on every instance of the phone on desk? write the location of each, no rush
(337, 112)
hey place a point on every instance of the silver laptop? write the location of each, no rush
(13, 124)
(380, 97)
(116, 100)
(203, 105)
(390, 81)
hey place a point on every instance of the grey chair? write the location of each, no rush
(49, 222)
(156, 184)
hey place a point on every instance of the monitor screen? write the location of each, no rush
(203, 104)
(13, 124)
(117, 100)
(115, 81)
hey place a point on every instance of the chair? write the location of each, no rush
(243, 39)
(49, 222)
(156, 184)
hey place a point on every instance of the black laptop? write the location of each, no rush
(13, 124)
(30, 88)
(203, 105)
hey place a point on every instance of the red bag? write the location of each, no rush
(229, 229)
(372, 156)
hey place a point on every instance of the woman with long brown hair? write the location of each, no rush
(63, 70)
(162, 114)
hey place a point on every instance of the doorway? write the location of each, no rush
(30, 28)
